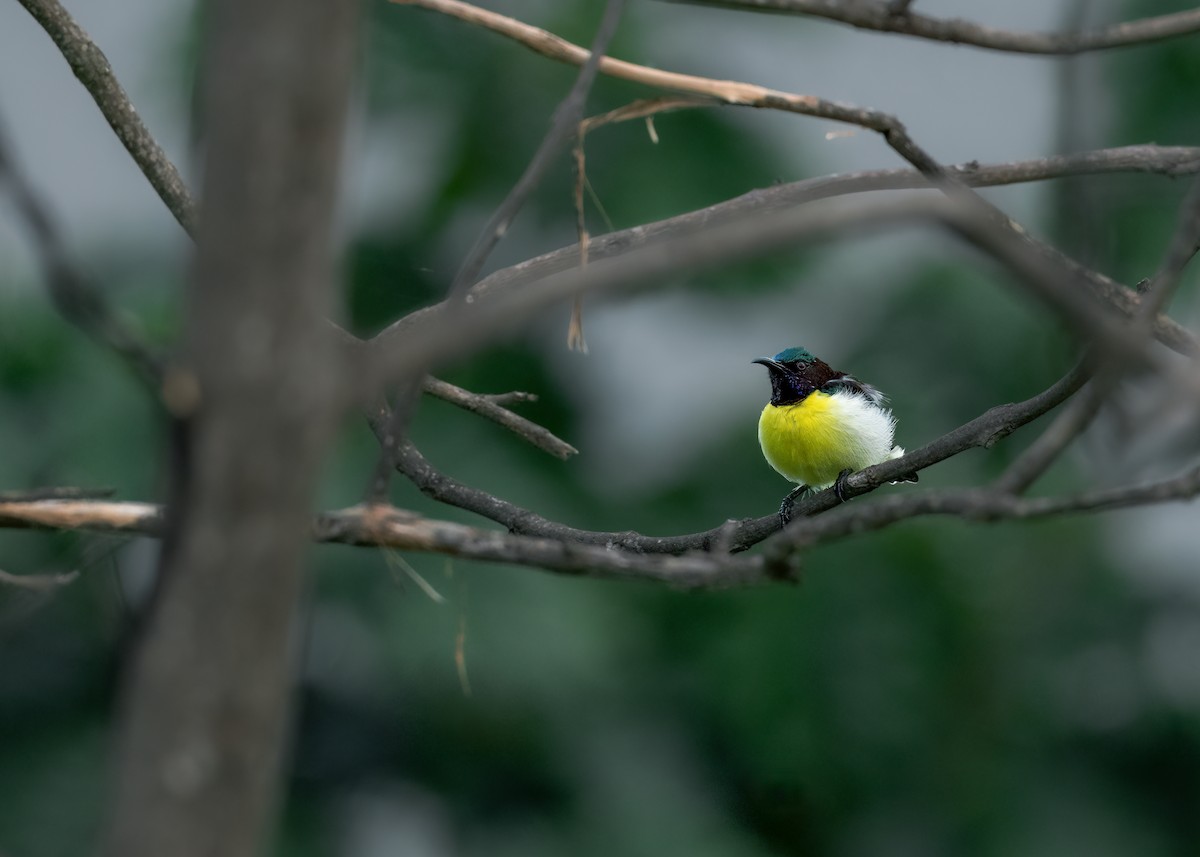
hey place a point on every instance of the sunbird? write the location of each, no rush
(821, 425)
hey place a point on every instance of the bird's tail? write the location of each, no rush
(898, 452)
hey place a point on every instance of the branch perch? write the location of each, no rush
(386, 526)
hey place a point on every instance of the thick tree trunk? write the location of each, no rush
(206, 701)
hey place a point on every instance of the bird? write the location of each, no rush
(821, 425)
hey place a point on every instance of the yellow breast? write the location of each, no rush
(812, 441)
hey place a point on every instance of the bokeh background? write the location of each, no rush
(939, 688)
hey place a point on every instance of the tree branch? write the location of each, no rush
(74, 296)
(983, 431)
(723, 91)
(975, 504)
(895, 17)
(490, 408)
(385, 526)
(1039, 271)
(733, 536)
(1168, 161)
(92, 69)
(1185, 241)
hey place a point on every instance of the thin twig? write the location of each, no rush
(895, 17)
(566, 119)
(489, 408)
(1185, 241)
(646, 109)
(76, 298)
(38, 582)
(1050, 444)
(92, 68)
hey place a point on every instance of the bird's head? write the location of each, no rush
(794, 374)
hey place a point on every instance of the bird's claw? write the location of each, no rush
(840, 485)
(785, 508)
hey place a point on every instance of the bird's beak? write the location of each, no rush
(769, 363)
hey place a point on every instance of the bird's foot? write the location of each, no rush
(785, 508)
(840, 485)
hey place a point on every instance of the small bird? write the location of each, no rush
(821, 425)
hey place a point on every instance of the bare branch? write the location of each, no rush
(95, 516)
(895, 17)
(1004, 231)
(724, 91)
(489, 408)
(1170, 161)
(385, 526)
(983, 431)
(76, 298)
(92, 68)
(1043, 274)
(445, 489)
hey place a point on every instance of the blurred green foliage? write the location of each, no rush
(940, 688)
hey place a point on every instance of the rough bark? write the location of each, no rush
(206, 699)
